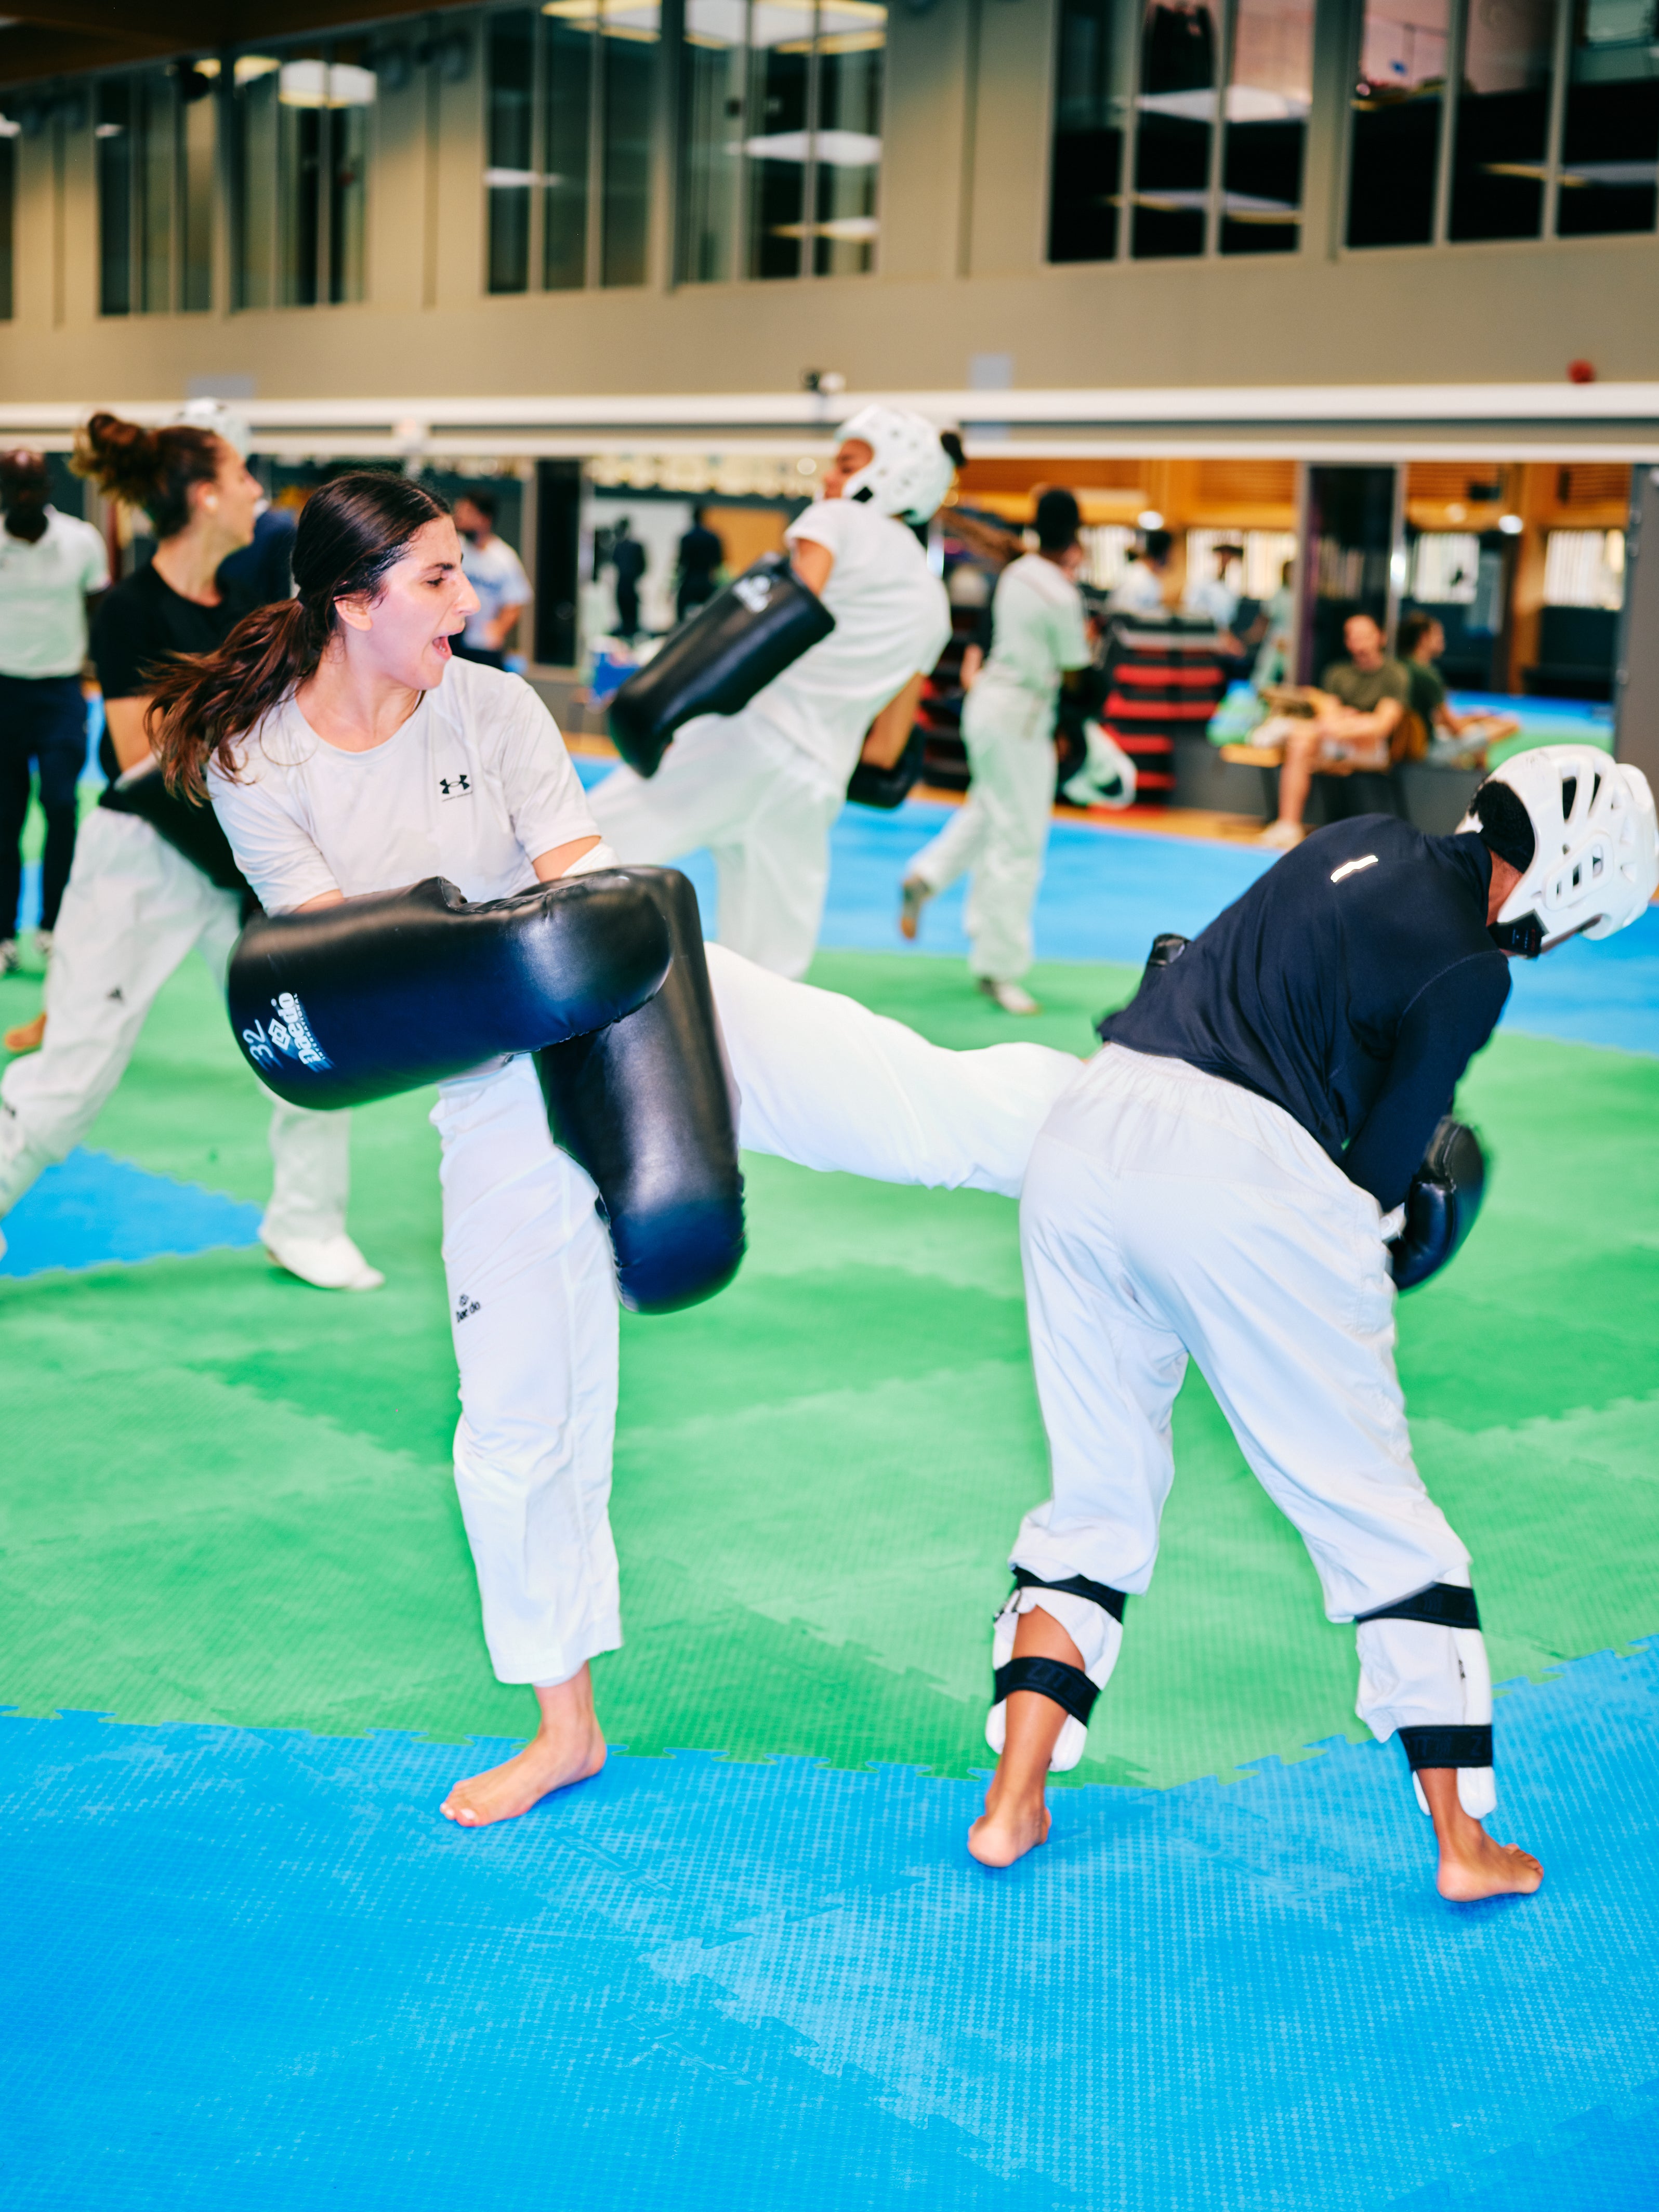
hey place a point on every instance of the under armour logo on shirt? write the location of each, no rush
(455, 786)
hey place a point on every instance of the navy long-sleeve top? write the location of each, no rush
(1351, 985)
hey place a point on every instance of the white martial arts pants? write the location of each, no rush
(1167, 1213)
(825, 1083)
(1001, 832)
(532, 1306)
(764, 809)
(132, 911)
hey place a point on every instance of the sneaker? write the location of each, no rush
(1010, 997)
(10, 958)
(914, 894)
(1282, 836)
(27, 1037)
(328, 1263)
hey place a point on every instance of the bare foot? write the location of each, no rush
(27, 1037)
(1471, 1865)
(569, 1747)
(1007, 1828)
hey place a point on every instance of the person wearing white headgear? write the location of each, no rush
(761, 788)
(1259, 1158)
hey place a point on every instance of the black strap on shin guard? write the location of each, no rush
(1446, 1746)
(1109, 1599)
(1442, 1605)
(1066, 1687)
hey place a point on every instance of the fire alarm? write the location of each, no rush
(1581, 372)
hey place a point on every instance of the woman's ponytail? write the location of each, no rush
(350, 533)
(201, 701)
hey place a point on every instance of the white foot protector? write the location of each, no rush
(1012, 998)
(328, 1263)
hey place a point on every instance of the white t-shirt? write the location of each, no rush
(1212, 600)
(892, 620)
(497, 575)
(1037, 628)
(474, 785)
(43, 588)
(1140, 591)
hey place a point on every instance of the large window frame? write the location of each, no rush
(1559, 176)
(1141, 125)
(301, 119)
(571, 91)
(156, 145)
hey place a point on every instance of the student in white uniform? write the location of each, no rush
(1001, 834)
(50, 564)
(135, 907)
(1143, 586)
(374, 759)
(761, 788)
(496, 574)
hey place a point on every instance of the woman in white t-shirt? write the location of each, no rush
(1001, 834)
(762, 787)
(346, 750)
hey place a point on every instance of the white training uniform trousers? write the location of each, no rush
(133, 911)
(1002, 831)
(763, 808)
(532, 1306)
(1167, 1213)
(825, 1083)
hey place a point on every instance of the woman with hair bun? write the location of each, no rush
(135, 906)
(50, 565)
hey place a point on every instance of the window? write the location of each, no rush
(1395, 152)
(1196, 190)
(303, 140)
(1584, 568)
(1610, 139)
(569, 93)
(1501, 164)
(783, 138)
(153, 136)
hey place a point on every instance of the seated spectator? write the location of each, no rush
(1146, 583)
(1357, 716)
(1463, 738)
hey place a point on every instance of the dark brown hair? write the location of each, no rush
(25, 489)
(1413, 629)
(155, 469)
(350, 533)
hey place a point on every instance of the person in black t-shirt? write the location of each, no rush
(1225, 1181)
(135, 905)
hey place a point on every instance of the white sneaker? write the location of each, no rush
(1010, 997)
(10, 959)
(1282, 836)
(328, 1263)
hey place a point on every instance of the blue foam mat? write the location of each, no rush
(92, 1209)
(257, 1970)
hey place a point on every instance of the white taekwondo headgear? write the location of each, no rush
(226, 422)
(909, 472)
(1595, 864)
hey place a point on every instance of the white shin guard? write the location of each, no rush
(1097, 1635)
(1428, 1680)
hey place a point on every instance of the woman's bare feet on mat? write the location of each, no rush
(1471, 1865)
(569, 1747)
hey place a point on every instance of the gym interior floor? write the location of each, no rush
(247, 1965)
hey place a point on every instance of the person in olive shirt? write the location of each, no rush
(1357, 712)
(135, 906)
(1422, 642)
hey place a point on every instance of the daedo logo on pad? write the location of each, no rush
(755, 591)
(288, 1031)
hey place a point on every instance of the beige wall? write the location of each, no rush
(962, 273)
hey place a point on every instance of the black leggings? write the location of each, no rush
(43, 721)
